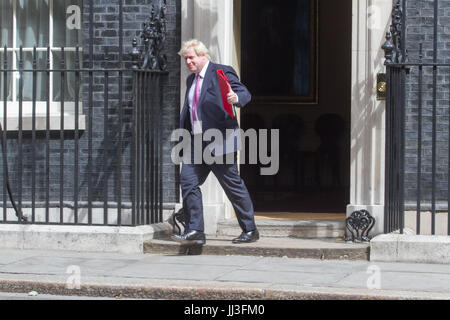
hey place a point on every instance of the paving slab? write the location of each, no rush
(282, 277)
(206, 277)
(425, 282)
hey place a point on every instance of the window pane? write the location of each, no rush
(67, 23)
(69, 76)
(41, 77)
(32, 23)
(6, 23)
(9, 77)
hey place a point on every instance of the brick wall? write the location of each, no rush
(420, 20)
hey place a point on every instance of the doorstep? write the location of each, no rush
(333, 249)
(302, 229)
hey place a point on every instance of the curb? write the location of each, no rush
(123, 239)
(413, 248)
(202, 292)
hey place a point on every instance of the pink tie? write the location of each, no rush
(196, 98)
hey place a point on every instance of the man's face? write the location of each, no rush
(194, 62)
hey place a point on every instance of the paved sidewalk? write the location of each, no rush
(158, 276)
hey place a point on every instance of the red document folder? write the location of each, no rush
(224, 89)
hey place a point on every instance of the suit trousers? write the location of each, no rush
(194, 175)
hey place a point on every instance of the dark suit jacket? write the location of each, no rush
(211, 111)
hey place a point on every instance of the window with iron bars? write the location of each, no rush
(48, 25)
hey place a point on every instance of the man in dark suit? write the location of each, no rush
(203, 110)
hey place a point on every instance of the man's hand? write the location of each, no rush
(232, 97)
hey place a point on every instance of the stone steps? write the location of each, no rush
(314, 239)
(304, 229)
(266, 247)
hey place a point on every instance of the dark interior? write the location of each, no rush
(314, 172)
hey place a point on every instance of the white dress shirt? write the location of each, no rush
(192, 90)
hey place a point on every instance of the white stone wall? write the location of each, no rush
(211, 22)
(371, 21)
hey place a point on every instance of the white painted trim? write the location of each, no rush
(41, 123)
(210, 21)
(367, 113)
(69, 106)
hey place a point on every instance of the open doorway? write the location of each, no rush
(296, 61)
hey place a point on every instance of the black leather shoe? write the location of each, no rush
(247, 237)
(190, 237)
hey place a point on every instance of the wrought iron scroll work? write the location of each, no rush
(393, 47)
(180, 217)
(359, 224)
(153, 35)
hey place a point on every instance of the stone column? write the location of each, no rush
(211, 22)
(371, 20)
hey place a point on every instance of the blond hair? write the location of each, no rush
(198, 46)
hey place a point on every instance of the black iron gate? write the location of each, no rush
(103, 166)
(417, 123)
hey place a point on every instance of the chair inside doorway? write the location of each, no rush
(308, 181)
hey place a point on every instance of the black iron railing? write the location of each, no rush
(147, 151)
(101, 162)
(417, 138)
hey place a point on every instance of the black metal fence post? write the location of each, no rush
(395, 55)
(47, 141)
(33, 141)
(5, 128)
(76, 134)
(61, 140)
(20, 143)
